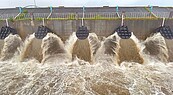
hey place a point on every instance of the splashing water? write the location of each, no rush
(31, 49)
(78, 77)
(108, 50)
(129, 51)
(82, 50)
(53, 49)
(1, 44)
(156, 47)
(10, 47)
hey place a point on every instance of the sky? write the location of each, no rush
(66, 3)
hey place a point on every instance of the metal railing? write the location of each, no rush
(162, 14)
(91, 15)
(5, 16)
(137, 14)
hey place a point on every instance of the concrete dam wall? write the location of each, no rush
(141, 28)
(96, 61)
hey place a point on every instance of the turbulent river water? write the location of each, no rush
(95, 66)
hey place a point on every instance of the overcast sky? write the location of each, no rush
(45, 3)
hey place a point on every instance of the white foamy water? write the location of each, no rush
(155, 48)
(78, 77)
(10, 47)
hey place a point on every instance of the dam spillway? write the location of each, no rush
(100, 20)
(103, 63)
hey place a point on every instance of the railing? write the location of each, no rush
(102, 15)
(92, 15)
(137, 15)
(87, 15)
(5, 16)
(41, 15)
(162, 14)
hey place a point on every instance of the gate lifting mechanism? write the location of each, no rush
(42, 31)
(6, 31)
(122, 30)
(82, 32)
(165, 31)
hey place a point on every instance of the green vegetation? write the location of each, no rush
(71, 16)
(22, 15)
(39, 19)
(22, 19)
(11, 19)
(98, 17)
(25, 11)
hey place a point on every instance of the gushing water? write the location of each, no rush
(10, 47)
(129, 51)
(108, 50)
(155, 47)
(31, 49)
(54, 49)
(70, 73)
(82, 50)
(1, 44)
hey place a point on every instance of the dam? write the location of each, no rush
(86, 50)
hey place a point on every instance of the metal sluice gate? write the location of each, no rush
(82, 33)
(6, 31)
(42, 32)
(166, 32)
(123, 32)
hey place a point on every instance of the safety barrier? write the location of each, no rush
(91, 15)
(82, 31)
